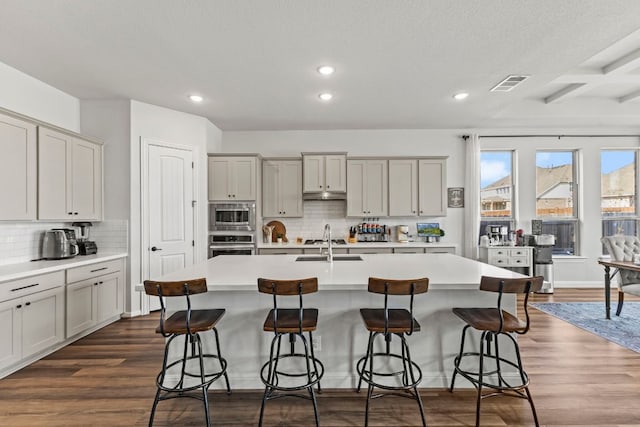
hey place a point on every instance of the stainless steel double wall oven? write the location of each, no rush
(232, 228)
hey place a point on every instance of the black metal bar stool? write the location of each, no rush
(494, 322)
(388, 322)
(294, 322)
(188, 323)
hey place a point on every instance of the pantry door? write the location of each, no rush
(169, 211)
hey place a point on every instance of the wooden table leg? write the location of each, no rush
(607, 290)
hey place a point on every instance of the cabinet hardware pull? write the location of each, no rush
(327, 186)
(101, 283)
(28, 303)
(69, 213)
(19, 306)
(75, 213)
(98, 269)
(24, 287)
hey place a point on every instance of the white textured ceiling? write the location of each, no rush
(398, 62)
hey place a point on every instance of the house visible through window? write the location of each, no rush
(618, 192)
(556, 198)
(496, 189)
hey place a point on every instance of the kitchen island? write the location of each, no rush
(232, 284)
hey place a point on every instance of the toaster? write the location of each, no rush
(59, 243)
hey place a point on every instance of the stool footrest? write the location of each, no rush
(368, 376)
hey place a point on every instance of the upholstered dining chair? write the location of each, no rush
(623, 248)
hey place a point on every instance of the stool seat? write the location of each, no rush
(498, 329)
(488, 319)
(392, 371)
(187, 325)
(399, 320)
(201, 320)
(289, 320)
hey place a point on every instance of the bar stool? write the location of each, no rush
(189, 324)
(494, 322)
(294, 322)
(388, 322)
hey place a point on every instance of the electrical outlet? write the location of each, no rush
(317, 343)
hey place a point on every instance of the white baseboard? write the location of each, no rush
(579, 284)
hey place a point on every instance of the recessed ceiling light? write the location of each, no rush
(325, 96)
(196, 98)
(460, 96)
(326, 70)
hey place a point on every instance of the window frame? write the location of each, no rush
(612, 218)
(575, 218)
(501, 220)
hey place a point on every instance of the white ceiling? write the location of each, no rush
(398, 62)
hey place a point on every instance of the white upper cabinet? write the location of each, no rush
(324, 172)
(18, 169)
(403, 187)
(282, 188)
(232, 178)
(69, 177)
(417, 187)
(432, 187)
(367, 188)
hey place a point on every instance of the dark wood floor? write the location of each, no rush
(107, 379)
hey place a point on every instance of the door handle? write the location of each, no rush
(153, 249)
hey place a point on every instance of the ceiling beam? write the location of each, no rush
(630, 96)
(573, 89)
(623, 64)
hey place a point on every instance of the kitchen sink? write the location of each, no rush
(335, 258)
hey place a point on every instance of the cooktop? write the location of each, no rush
(320, 241)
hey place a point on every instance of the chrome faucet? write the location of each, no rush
(326, 237)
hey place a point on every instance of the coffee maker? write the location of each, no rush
(85, 245)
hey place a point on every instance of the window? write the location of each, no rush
(618, 197)
(556, 198)
(496, 184)
(496, 189)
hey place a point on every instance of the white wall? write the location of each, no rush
(26, 95)
(153, 122)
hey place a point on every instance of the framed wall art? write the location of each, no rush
(455, 197)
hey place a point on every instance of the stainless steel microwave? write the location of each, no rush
(239, 216)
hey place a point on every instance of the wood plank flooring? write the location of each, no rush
(107, 379)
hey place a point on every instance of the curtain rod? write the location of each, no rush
(558, 136)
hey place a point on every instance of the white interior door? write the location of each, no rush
(170, 211)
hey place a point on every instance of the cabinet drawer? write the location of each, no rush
(442, 250)
(519, 252)
(408, 250)
(519, 261)
(93, 270)
(30, 285)
(500, 261)
(281, 251)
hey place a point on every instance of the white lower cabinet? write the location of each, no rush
(94, 298)
(31, 324)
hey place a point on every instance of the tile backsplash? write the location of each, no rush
(317, 213)
(22, 242)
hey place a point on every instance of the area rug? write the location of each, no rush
(623, 330)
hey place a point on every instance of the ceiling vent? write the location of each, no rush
(509, 83)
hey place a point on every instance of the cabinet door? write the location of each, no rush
(290, 184)
(86, 178)
(219, 176)
(376, 187)
(54, 185)
(42, 320)
(335, 172)
(432, 186)
(81, 306)
(18, 175)
(270, 189)
(11, 331)
(243, 179)
(313, 169)
(356, 170)
(403, 187)
(110, 296)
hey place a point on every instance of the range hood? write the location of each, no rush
(324, 195)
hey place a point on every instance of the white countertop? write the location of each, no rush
(294, 245)
(240, 273)
(33, 268)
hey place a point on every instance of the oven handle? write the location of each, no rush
(232, 247)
